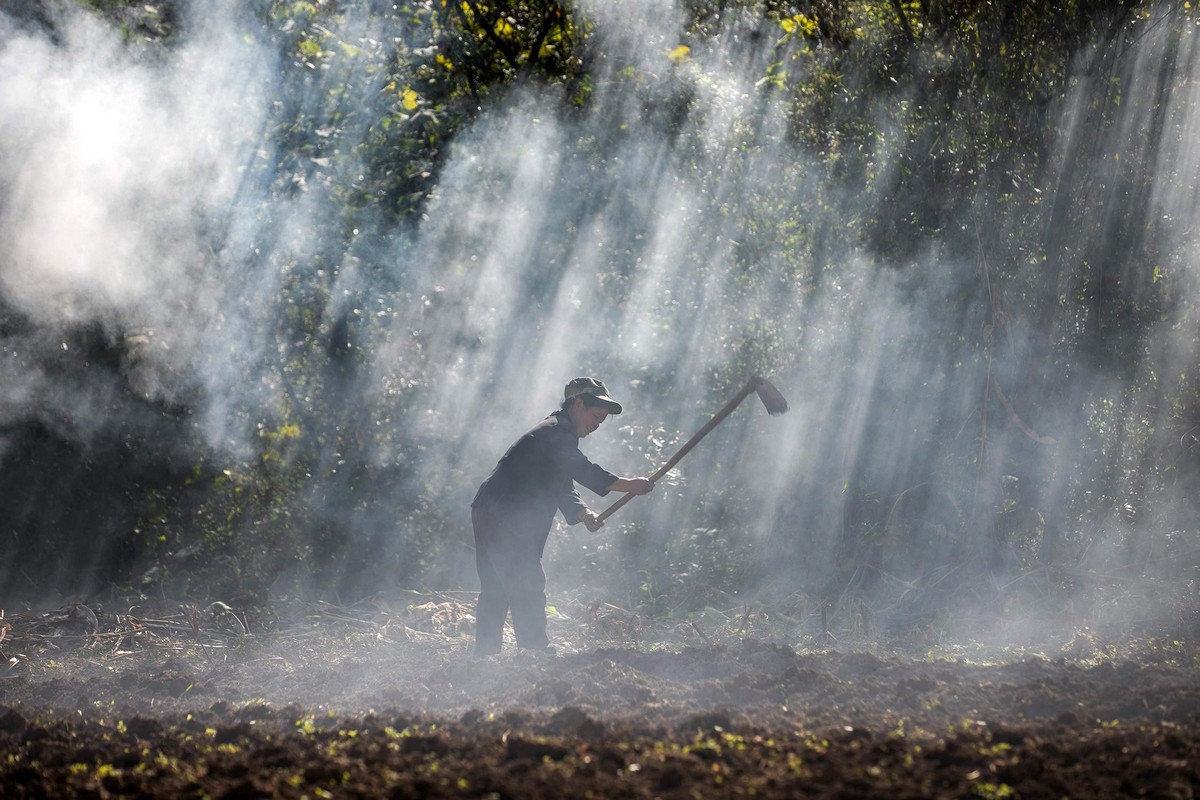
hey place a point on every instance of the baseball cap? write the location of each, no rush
(596, 389)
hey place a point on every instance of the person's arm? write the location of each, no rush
(631, 485)
(628, 485)
(576, 465)
(572, 507)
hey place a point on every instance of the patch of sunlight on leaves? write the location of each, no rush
(992, 791)
(801, 22)
(309, 49)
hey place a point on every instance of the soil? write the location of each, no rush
(343, 704)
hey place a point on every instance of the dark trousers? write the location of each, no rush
(508, 555)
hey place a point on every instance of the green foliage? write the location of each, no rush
(415, 73)
(140, 22)
(906, 128)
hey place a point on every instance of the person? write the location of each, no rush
(514, 508)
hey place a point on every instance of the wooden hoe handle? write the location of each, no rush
(725, 411)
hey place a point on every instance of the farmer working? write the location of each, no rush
(514, 508)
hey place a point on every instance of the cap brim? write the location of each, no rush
(610, 405)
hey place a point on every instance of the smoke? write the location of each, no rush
(121, 164)
(672, 237)
(932, 439)
(647, 242)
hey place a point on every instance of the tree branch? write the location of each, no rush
(908, 31)
(553, 13)
(489, 31)
(1012, 412)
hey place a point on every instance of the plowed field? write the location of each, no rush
(321, 714)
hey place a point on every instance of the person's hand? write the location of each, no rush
(631, 485)
(592, 521)
(640, 485)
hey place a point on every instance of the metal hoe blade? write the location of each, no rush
(771, 397)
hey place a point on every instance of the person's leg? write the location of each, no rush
(492, 607)
(527, 597)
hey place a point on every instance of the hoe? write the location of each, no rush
(771, 398)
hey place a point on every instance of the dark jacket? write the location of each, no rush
(538, 475)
